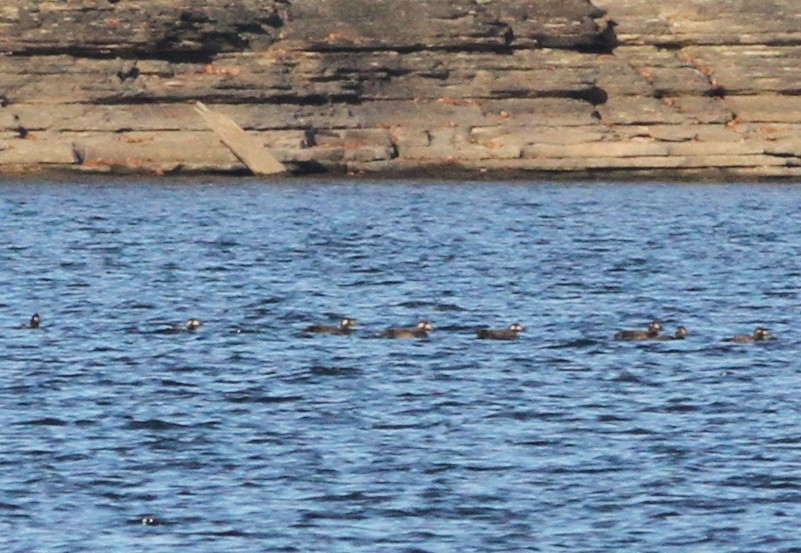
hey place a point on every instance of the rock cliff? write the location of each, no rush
(570, 88)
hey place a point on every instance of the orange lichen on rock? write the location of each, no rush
(448, 101)
(211, 69)
(138, 139)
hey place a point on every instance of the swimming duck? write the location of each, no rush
(36, 320)
(344, 327)
(419, 331)
(150, 520)
(190, 325)
(681, 334)
(760, 334)
(193, 324)
(650, 334)
(510, 333)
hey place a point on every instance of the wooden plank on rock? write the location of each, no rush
(244, 146)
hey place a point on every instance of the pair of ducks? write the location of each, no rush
(346, 327)
(419, 331)
(652, 333)
(190, 326)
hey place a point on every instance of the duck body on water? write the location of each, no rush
(34, 323)
(345, 327)
(651, 333)
(510, 333)
(191, 325)
(760, 334)
(421, 330)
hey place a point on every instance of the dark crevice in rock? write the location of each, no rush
(594, 95)
(603, 43)
(412, 49)
(170, 54)
(670, 46)
(674, 44)
(308, 168)
(288, 99)
(598, 47)
(716, 91)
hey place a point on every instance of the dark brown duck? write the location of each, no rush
(510, 333)
(36, 320)
(650, 334)
(345, 326)
(419, 331)
(760, 334)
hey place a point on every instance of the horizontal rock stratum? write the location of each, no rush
(568, 88)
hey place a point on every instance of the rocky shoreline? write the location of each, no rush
(535, 88)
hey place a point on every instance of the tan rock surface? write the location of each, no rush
(691, 88)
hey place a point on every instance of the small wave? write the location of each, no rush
(228, 534)
(414, 304)
(677, 407)
(321, 370)
(103, 348)
(46, 421)
(437, 468)
(153, 424)
(539, 443)
(351, 497)
(367, 270)
(448, 307)
(333, 515)
(626, 376)
(612, 418)
(169, 383)
(389, 426)
(240, 397)
(527, 415)
(471, 329)
(574, 344)
(71, 457)
(638, 431)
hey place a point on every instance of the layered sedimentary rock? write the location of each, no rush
(547, 87)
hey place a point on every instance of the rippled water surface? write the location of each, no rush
(248, 435)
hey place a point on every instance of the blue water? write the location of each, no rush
(249, 436)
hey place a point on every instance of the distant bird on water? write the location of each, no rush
(760, 334)
(193, 324)
(344, 328)
(36, 320)
(419, 331)
(510, 333)
(650, 334)
(190, 325)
